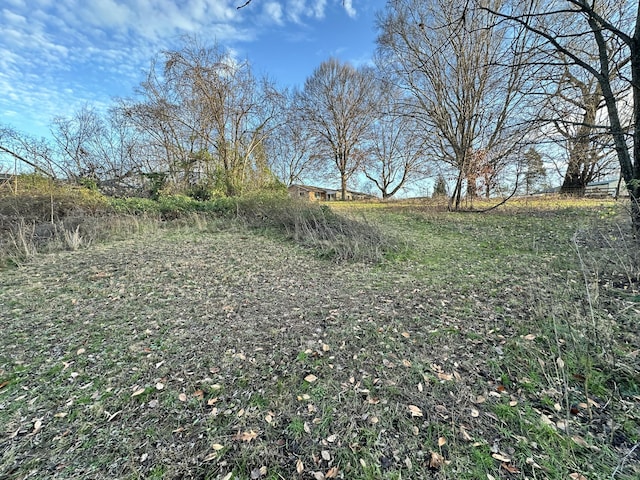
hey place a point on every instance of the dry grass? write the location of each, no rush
(210, 349)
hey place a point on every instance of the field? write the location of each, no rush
(482, 346)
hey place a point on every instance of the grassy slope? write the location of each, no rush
(188, 354)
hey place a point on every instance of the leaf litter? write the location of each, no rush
(183, 303)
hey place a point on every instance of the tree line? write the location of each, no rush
(482, 93)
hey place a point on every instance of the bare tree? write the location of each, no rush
(23, 149)
(612, 30)
(397, 151)
(208, 114)
(466, 77)
(78, 139)
(289, 146)
(337, 108)
(574, 121)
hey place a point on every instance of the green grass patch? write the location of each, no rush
(501, 345)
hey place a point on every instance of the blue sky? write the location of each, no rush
(58, 55)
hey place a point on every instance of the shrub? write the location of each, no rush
(317, 226)
(172, 207)
(34, 198)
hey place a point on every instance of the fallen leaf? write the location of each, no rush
(406, 363)
(258, 472)
(442, 441)
(405, 334)
(37, 426)
(501, 457)
(331, 473)
(444, 376)
(325, 347)
(246, 436)
(111, 417)
(332, 438)
(577, 476)
(436, 461)
(415, 411)
(199, 394)
(154, 403)
(547, 421)
(182, 397)
(60, 415)
(210, 457)
(326, 456)
(240, 412)
(299, 467)
(139, 391)
(465, 435)
(228, 476)
(509, 468)
(530, 337)
(268, 418)
(217, 446)
(580, 441)
(310, 378)
(475, 413)
(420, 387)
(363, 463)
(318, 476)
(560, 363)
(80, 351)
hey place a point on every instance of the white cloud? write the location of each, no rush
(106, 12)
(318, 8)
(273, 11)
(348, 7)
(59, 54)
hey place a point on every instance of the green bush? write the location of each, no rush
(172, 207)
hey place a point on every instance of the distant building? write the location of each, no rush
(606, 188)
(321, 194)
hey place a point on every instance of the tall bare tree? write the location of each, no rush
(611, 28)
(209, 114)
(397, 151)
(466, 76)
(289, 146)
(338, 108)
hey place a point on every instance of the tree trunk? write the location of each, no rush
(573, 183)
(343, 187)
